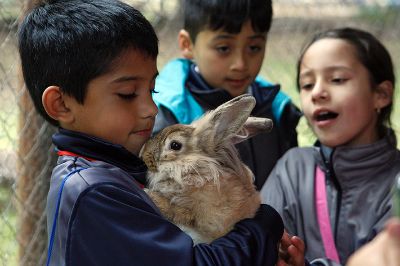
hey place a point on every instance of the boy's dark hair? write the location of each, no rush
(373, 56)
(68, 43)
(228, 15)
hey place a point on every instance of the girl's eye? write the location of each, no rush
(306, 86)
(128, 96)
(338, 80)
(175, 145)
(153, 90)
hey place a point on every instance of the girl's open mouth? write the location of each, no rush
(324, 116)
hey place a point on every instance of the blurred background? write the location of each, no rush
(26, 153)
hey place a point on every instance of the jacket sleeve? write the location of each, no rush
(324, 262)
(279, 192)
(113, 226)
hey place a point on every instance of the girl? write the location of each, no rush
(336, 195)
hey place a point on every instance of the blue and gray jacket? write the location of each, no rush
(183, 96)
(98, 214)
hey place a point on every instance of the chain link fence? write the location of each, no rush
(26, 153)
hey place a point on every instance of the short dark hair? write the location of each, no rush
(228, 15)
(371, 53)
(68, 43)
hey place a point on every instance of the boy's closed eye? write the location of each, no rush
(127, 96)
(132, 95)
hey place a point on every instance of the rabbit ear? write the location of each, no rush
(225, 121)
(253, 126)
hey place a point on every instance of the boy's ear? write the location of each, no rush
(185, 44)
(383, 94)
(53, 100)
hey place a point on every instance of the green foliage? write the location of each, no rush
(9, 12)
(384, 14)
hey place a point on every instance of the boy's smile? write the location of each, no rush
(118, 106)
(230, 61)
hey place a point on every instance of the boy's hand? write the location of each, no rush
(291, 251)
(384, 249)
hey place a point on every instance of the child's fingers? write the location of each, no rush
(298, 243)
(285, 240)
(296, 256)
(284, 255)
(283, 248)
(281, 263)
(291, 251)
(296, 252)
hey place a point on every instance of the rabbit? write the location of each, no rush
(195, 175)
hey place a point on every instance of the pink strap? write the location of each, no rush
(323, 216)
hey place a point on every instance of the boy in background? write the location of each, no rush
(223, 45)
(90, 68)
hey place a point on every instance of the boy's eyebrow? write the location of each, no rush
(258, 36)
(131, 78)
(230, 36)
(222, 36)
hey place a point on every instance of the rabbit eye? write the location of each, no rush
(175, 145)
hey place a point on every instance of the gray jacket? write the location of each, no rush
(359, 183)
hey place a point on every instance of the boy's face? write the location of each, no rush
(118, 106)
(230, 61)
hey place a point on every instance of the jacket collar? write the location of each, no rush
(352, 165)
(95, 148)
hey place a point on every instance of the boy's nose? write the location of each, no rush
(148, 108)
(239, 62)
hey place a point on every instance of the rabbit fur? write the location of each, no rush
(196, 177)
